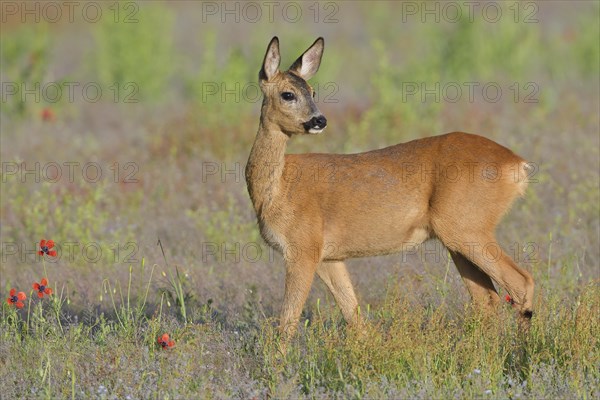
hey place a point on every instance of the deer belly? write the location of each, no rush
(381, 243)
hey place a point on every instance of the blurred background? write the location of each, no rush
(127, 123)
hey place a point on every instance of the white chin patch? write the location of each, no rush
(315, 130)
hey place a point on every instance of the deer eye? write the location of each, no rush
(288, 96)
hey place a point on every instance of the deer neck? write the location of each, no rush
(265, 166)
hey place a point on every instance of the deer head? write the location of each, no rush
(288, 102)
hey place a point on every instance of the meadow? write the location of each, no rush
(124, 137)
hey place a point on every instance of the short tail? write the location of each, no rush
(523, 175)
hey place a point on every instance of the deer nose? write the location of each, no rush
(320, 122)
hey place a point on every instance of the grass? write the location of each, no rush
(166, 240)
(407, 350)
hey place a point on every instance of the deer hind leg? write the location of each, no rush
(491, 259)
(478, 283)
(335, 275)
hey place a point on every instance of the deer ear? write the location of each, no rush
(308, 63)
(271, 61)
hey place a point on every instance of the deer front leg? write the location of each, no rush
(336, 277)
(298, 281)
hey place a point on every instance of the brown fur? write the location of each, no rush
(321, 209)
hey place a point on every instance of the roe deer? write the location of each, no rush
(321, 209)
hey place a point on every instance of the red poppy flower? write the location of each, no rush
(46, 248)
(48, 114)
(15, 298)
(509, 300)
(165, 342)
(42, 288)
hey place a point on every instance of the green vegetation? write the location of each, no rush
(119, 47)
(165, 240)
